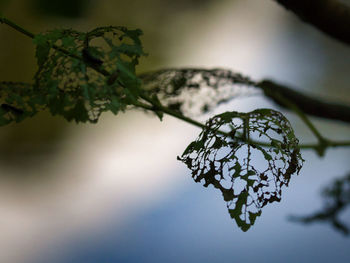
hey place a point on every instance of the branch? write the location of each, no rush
(307, 104)
(337, 199)
(22, 30)
(280, 94)
(330, 16)
(18, 28)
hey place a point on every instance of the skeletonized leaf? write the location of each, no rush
(71, 65)
(249, 174)
(18, 102)
(194, 91)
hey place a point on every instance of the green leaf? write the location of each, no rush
(220, 159)
(114, 105)
(69, 85)
(78, 112)
(40, 39)
(68, 41)
(237, 167)
(253, 216)
(42, 49)
(157, 103)
(218, 143)
(18, 102)
(195, 91)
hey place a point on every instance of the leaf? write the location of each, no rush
(114, 105)
(78, 113)
(157, 103)
(42, 49)
(195, 91)
(253, 216)
(18, 101)
(80, 77)
(248, 174)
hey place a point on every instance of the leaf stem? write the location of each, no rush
(323, 143)
(156, 107)
(168, 112)
(22, 30)
(18, 28)
(330, 144)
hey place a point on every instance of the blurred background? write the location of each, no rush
(114, 191)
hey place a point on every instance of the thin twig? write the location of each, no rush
(20, 29)
(156, 107)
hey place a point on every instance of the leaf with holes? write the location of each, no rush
(81, 75)
(249, 157)
(18, 101)
(196, 91)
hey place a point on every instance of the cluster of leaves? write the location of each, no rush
(80, 75)
(195, 91)
(336, 200)
(249, 157)
(249, 176)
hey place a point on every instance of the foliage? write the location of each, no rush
(80, 75)
(17, 102)
(73, 78)
(195, 91)
(248, 175)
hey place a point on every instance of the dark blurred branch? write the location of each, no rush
(330, 16)
(327, 215)
(337, 199)
(307, 104)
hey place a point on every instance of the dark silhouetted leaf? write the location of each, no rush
(18, 101)
(194, 91)
(69, 81)
(80, 75)
(249, 174)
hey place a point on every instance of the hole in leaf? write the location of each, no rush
(249, 174)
